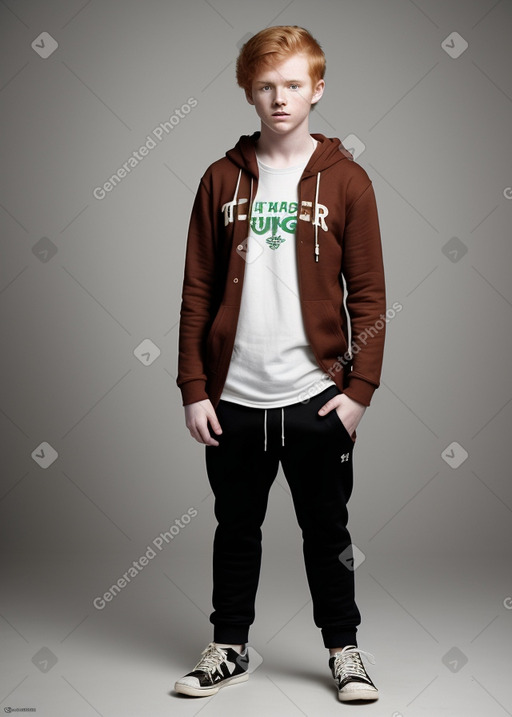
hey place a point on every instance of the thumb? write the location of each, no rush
(214, 423)
(327, 407)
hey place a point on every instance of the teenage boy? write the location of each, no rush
(281, 343)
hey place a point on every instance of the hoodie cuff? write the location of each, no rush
(360, 390)
(193, 391)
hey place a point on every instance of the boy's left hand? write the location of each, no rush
(349, 411)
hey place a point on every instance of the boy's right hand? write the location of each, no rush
(197, 417)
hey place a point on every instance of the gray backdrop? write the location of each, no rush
(98, 470)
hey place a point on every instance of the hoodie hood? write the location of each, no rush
(329, 151)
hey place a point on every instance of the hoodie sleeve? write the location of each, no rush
(197, 297)
(363, 271)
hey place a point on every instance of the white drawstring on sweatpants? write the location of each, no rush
(265, 434)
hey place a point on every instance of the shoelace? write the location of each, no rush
(211, 658)
(348, 663)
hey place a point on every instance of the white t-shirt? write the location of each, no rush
(272, 364)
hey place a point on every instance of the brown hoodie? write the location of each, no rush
(337, 238)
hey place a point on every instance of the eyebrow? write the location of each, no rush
(268, 82)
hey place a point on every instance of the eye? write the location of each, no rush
(294, 86)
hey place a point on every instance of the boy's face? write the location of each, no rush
(283, 94)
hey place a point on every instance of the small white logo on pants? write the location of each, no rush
(345, 457)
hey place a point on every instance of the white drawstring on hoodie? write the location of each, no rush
(315, 221)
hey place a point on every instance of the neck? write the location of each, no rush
(284, 150)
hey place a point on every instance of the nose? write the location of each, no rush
(279, 98)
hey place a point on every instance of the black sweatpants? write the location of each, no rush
(316, 455)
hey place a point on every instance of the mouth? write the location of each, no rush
(280, 114)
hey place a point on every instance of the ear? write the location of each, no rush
(318, 91)
(248, 97)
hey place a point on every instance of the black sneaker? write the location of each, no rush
(218, 667)
(351, 677)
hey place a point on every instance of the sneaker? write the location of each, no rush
(351, 677)
(218, 667)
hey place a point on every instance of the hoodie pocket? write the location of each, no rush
(323, 325)
(218, 342)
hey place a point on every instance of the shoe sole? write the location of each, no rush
(365, 695)
(207, 691)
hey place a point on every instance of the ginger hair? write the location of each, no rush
(273, 45)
